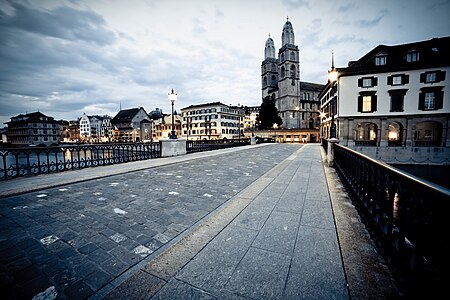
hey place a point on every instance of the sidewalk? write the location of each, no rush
(275, 240)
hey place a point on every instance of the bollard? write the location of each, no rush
(330, 151)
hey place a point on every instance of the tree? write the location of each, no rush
(268, 114)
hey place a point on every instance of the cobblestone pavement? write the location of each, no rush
(72, 240)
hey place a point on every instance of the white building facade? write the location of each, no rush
(212, 121)
(393, 103)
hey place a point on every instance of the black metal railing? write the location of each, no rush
(18, 162)
(207, 145)
(408, 218)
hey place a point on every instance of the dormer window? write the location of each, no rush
(412, 56)
(380, 59)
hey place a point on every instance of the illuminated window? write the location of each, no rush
(367, 104)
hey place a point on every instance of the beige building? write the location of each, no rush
(212, 121)
(162, 127)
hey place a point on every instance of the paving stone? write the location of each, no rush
(279, 233)
(260, 275)
(318, 213)
(114, 266)
(79, 290)
(99, 256)
(182, 291)
(88, 248)
(316, 263)
(212, 267)
(97, 279)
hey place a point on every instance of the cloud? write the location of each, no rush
(62, 22)
(345, 8)
(198, 27)
(295, 4)
(219, 13)
(373, 22)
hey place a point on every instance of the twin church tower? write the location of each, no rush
(281, 81)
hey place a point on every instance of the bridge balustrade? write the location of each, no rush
(18, 162)
(407, 217)
(207, 145)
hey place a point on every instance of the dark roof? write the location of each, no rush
(36, 117)
(432, 53)
(204, 104)
(126, 115)
(310, 86)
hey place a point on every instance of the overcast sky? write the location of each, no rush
(66, 58)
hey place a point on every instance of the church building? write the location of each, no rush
(297, 102)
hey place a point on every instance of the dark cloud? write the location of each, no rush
(373, 22)
(345, 8)
(62, 22)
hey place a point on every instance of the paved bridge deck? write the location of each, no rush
(255, 222)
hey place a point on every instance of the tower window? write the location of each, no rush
(283, 72)
(292, 56)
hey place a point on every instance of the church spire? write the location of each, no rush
(287, 36)
(269, 51)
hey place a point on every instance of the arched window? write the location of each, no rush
(274, 68)
(265, 81)
(292, 71)
(292, 56)
(428, 134)
(366, 134)
(282, 56)
(394, 134)
(282, 72)
(273, 79)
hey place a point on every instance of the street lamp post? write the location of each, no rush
(275, 130)
(172, 97)
(253, 120)
(332, 77)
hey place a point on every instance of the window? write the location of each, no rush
(428, 134)
(430, 77)
(433, 76)
(398, 79)
(367, 82)
(431, 98)
(412, 56)
(282, 72)
(397, 100)
(429, 102)
(380, 60)
(367, 102)
(292, 56)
